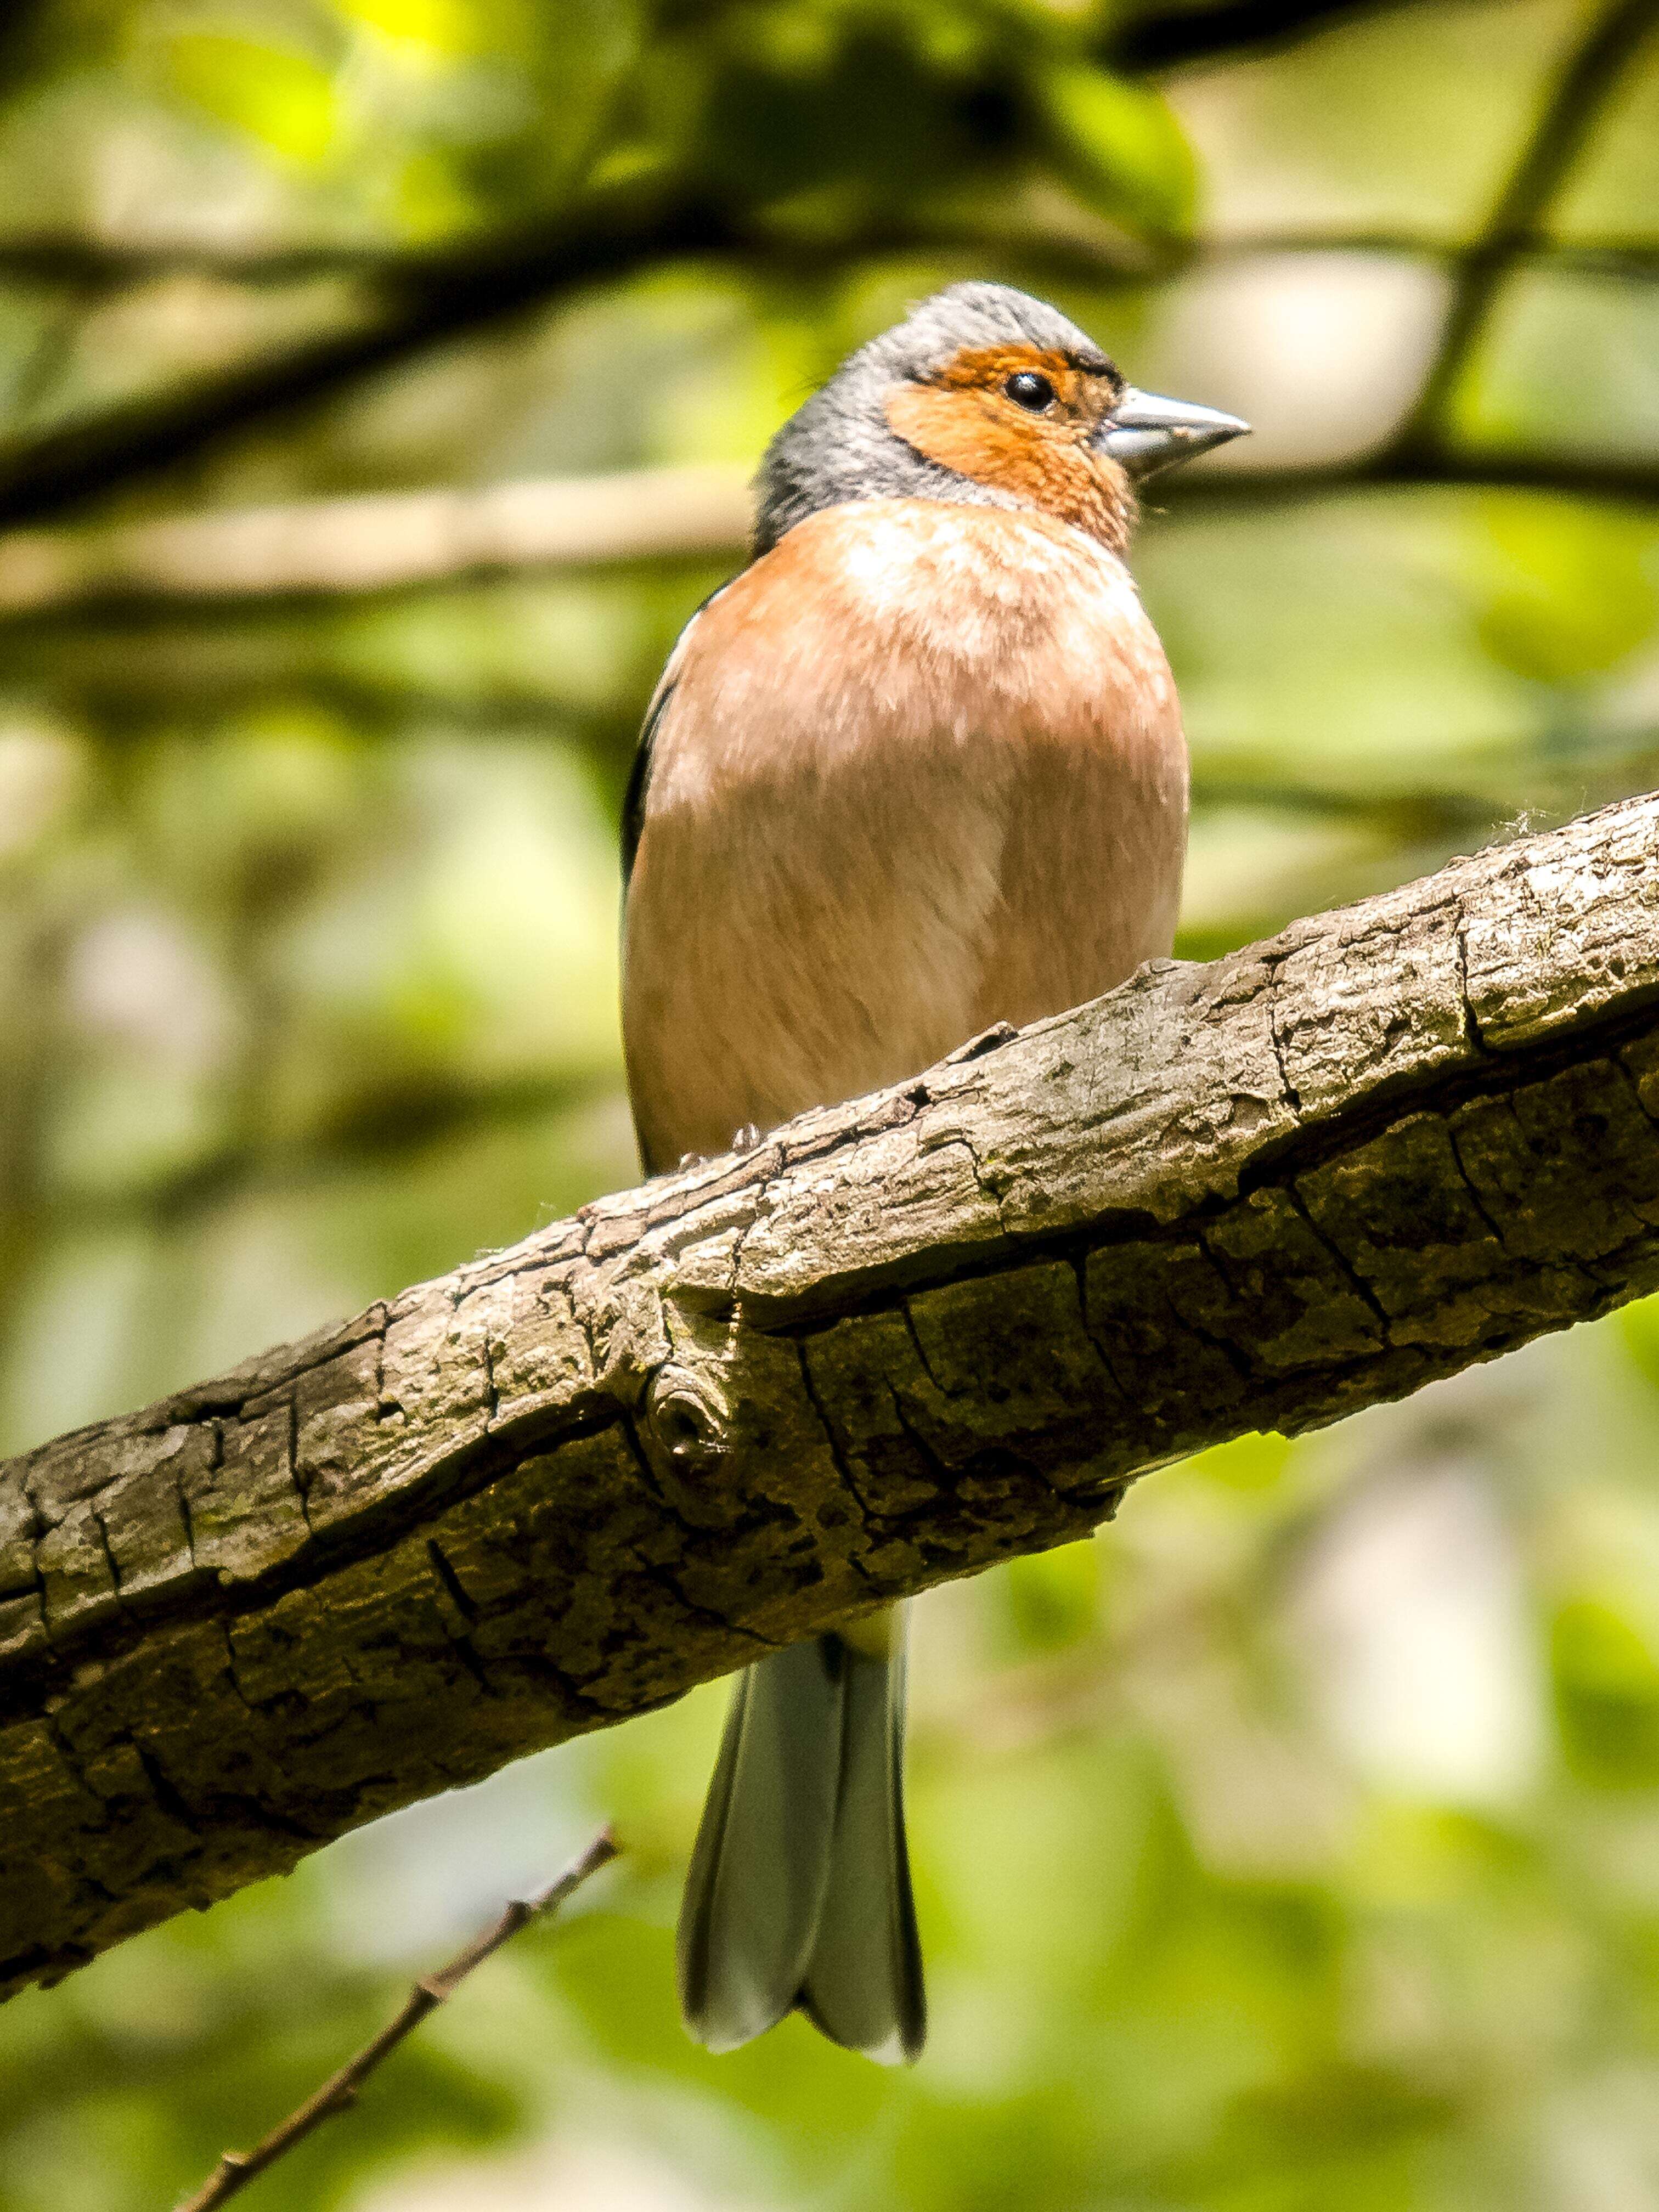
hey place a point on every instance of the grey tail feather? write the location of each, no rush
(799, 1890)
(863, 1983)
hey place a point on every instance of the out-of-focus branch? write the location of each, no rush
(70, 257)
(1076, 253)
(1169, 39)
(1589, 76)
(418, 302)
(415, 300)
(414, 303)
(339, 2092)
(376, 543)
(330, 547)
(1617, 479)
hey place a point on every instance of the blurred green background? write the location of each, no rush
(1294, 1845)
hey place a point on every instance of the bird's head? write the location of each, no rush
(987, 396)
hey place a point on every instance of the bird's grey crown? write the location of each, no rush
(840, 446)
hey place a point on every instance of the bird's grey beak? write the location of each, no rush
(1144, 433)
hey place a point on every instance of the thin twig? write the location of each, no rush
(339, 2092)
(1589, 76)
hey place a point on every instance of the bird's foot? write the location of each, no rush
(743, 1141)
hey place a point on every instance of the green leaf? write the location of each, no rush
(1051, 1599)
(449, 26)
(284, 100)
(1606, 1689)
(1121, 148)
(1571, 589)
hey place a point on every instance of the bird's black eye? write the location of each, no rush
(1031, 391)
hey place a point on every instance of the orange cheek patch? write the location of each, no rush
(976, 432)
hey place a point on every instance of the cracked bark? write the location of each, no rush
(899, 1341)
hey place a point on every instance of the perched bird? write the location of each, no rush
(917, 769)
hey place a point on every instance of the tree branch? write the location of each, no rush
(416, 300)
(419, 300)
(68, 257)
(902, 1340)
(1230, 30)
(326, 548)
(1616, 479)
(339, 2092)
(426, 303)
(1590, 74)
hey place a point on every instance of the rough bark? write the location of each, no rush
(899, 1341)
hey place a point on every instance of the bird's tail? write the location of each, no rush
(799, 1890)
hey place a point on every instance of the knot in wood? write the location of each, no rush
(687, 1418)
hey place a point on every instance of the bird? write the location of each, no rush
(916, 770)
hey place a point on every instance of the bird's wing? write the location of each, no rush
(632, 812)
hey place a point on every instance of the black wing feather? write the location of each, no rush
(633, 811)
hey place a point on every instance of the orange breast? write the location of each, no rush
(922, 770)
